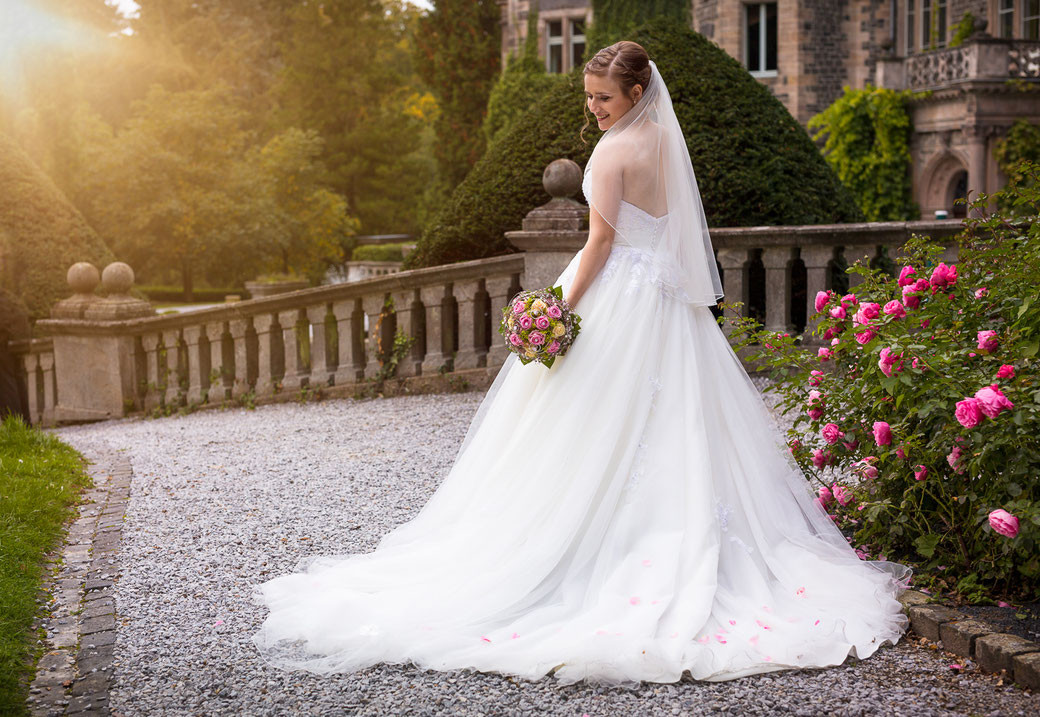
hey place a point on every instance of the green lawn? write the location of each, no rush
(40, 481)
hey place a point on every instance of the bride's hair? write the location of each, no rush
(625, 61)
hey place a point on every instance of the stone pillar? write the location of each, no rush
(499, 289)
(862, 253)
(319, 374)
(472, 352)
(411, 364)
(264, 326)
(351, 349)
(437, 353)
(31, 361)
(48, 412)
(977, 156)
(198, 363)
(219, 374)
(239, 328)
(373, 308)
(734, 264)
(553, 232)
(174, 390)
(817, 259)
(777, 262)
(153, 390)
(295, 370)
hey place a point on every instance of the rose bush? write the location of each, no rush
(925, 401)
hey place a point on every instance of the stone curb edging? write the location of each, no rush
(965, 636)
(74, 674)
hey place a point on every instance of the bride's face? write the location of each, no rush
(606, 99)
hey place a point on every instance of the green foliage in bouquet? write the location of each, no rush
(527, 351)
(934, 402)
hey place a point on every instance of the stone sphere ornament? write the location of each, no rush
(117, 278)
(83, 277)
(562, 178)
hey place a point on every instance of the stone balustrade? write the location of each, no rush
(980, 59)
(113, 356)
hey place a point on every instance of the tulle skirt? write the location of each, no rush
(628, 515)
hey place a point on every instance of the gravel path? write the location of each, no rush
(221, 500)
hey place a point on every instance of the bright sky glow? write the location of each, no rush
(25, 28)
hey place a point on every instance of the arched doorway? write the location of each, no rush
(958, 190)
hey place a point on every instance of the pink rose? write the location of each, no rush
(882, 433)
(992, 401)
(981, 292)
(954, 459)
(865, 337)
(828, 334)
(904, 276)
(553, 347)
(518, 307)
(838, 312)
(542, 322)
(911, 299)
(851, 445)
(849, 300)
(824, 353)
(865, 469)
(841, 494)
(921, 473)
(831, 433)
(822, 298)
(943, 276)
(555, 311)
(537, 338)
(821, 458)
(816, 405)
(794, 445)
(1006, 371)
(988, 341)
(924, 324)
(1003, 522)
(515, 339)
(815, 378)
(968, 412)
(888, 360)
(825, 495)
(526, 322)
(900, 453)
(894, 308)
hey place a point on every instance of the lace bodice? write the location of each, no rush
(635, 227)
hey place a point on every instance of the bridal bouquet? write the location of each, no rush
(539, 325)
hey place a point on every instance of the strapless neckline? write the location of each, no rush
(643, 211)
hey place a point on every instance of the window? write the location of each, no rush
(554, 45)
(760, 38)
(926, 24)
(1006, 18)
(1031, 19)
(577, 42)
(910, 9)
(940, 21)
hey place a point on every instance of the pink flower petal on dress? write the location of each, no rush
(646, 563)
(601, 632)
(485, 638)
(634, 600)
(654, 602)
(516, 635)
(618, 633)
(816, 623)
(732, 622)
(768, 658)
(218, 622)
(753, 639)
(701, 639)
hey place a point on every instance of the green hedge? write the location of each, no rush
(378, 252)
(41, 233)
(171, 293)
(754, 163)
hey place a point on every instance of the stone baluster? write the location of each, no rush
(198, 362)
(862, 254)
(350, 351)
(319, 373)
(153, 377)
(239, 329)
(777, 262)
(500, 291)
(50, 399)
(373, 307)
(438, 351)
(817, 259)
(408, 322)
(174, 392)
(472, 346)
(32, 385)
(219, 375)
(265, 326)
(295, 370)
(734, 264)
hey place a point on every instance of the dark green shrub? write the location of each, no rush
(754, 163)
(175, 294)
(378, 252)
(41, 233)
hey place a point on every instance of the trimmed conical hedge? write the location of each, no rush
(41, 233)
(754, 163)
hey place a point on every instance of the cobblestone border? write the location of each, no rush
(993, 651)
(73, 675)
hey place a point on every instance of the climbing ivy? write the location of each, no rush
(868, 145)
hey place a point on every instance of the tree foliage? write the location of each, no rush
(615, 20)
(868, 144)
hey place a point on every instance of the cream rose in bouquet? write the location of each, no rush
(539, 325)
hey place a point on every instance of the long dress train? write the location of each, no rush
(627, 515)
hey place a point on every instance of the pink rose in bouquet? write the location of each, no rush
(539, 325)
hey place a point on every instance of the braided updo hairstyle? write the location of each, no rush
(625, 61)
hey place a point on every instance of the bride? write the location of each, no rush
(630, 513)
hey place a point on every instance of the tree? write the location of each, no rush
(614, 20)
(457, 53)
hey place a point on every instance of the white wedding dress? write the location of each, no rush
(627, 515)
